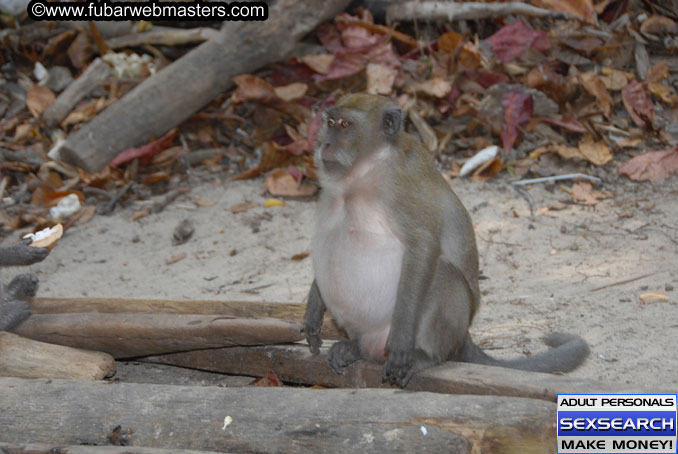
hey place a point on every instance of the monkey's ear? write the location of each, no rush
(391, 120)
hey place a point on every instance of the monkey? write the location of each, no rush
(13, 306)
(394, 253)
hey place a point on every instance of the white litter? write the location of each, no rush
(480, 158)
(66, 207)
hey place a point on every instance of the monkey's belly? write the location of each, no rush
(357, 273)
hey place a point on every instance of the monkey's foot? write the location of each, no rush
(342, 354)
(22, 286)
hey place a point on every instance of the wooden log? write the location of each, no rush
(292, 312)
(295, 364)
(45, 448)
(95, 73)
(25, 358)
(130, 335)
(272, 419)
(164, 100)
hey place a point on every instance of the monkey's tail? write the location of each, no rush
(567, 352)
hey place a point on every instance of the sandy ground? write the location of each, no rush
(541, 271)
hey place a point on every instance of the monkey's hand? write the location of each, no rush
(22, 254)
(398, 368)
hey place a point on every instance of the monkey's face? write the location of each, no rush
(353, 129)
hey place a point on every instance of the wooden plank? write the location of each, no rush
(293, 312)
(169, 97)
(287, 419)
(295, 364)
(130, 335)
(25, 358)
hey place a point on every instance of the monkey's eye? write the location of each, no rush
(330, 122)
(343, 123)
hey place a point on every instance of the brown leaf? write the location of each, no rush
(596, 88)
(436, 87)
(638, 104)
(652, 166)
(583, 193)
(582, 9)
(658, 25)
(301, 255)
(203, 203)
(518, 109)
(380, 79)
(85, 112)
(140, 214)
(319, 63)
(470, 57)
(291, 92)
(658, 72)
(512, 40)
(597, 153)
(145, 151)
(280, 183)
(253, 88)
(38, 99)
(663, 92)
(86, 213)
(245, 206)
(449, 41)
(615, 79)
(270, 380)
(175, 258)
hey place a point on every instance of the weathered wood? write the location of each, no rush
(272, 419)
(130, 335)
(45, 448)
(25, 358)
(295, 364)
(164, 100)
(164, 36)
(95, 73)
(292, 312)
(451, 11)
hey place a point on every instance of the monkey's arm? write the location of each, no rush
(313, 319)
(22, 254)
(419, 262)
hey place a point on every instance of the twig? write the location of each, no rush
(569, 176)
(409, 11)
(525, 195)
(110, 205)
(625, 281)
(382, 30)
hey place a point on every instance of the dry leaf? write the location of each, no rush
(638, 104)
(658, 72)
(86, 213)
(280, 183)
(38, 99)
(273, 203)
(663, 92)
(449, 41)
(140, 214)
(658, 25)
(518, 109)
(245, 206)
(145, 151)
(253, 88)
(584, 194)
(319, 63)
(380, 79)
(270, 380)
(203, 203)
(436, 87)
(654, 297)
(85, 112)
(597, 153)
(470, 57)
(582, 9)
(513, 40)
(301, 255)
(174, 259)
(652, 166)
(596, 88)
(291, 92)
(615, 79)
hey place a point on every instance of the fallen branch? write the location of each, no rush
(163, 36)
(450, 11)
(295, 364)
(25, 358)
(166, 99)
(130, 335)
(292, 312)
(263, 420)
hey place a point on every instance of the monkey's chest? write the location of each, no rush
(357, 261)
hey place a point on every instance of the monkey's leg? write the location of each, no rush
(313, 319)
(342, 354)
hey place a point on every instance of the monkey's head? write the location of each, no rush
(356, 127)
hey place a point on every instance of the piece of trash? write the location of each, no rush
(423, 430)
(485, 155)
(66, 207)
(227, 421)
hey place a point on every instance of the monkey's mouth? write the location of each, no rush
(333, 166)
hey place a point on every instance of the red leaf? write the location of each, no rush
(652, 166)
(329, 37)
(512, 40)
(518, 108)
(638, 104)
(145, 151)
(486, 78)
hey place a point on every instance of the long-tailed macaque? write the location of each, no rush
(394, 253)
